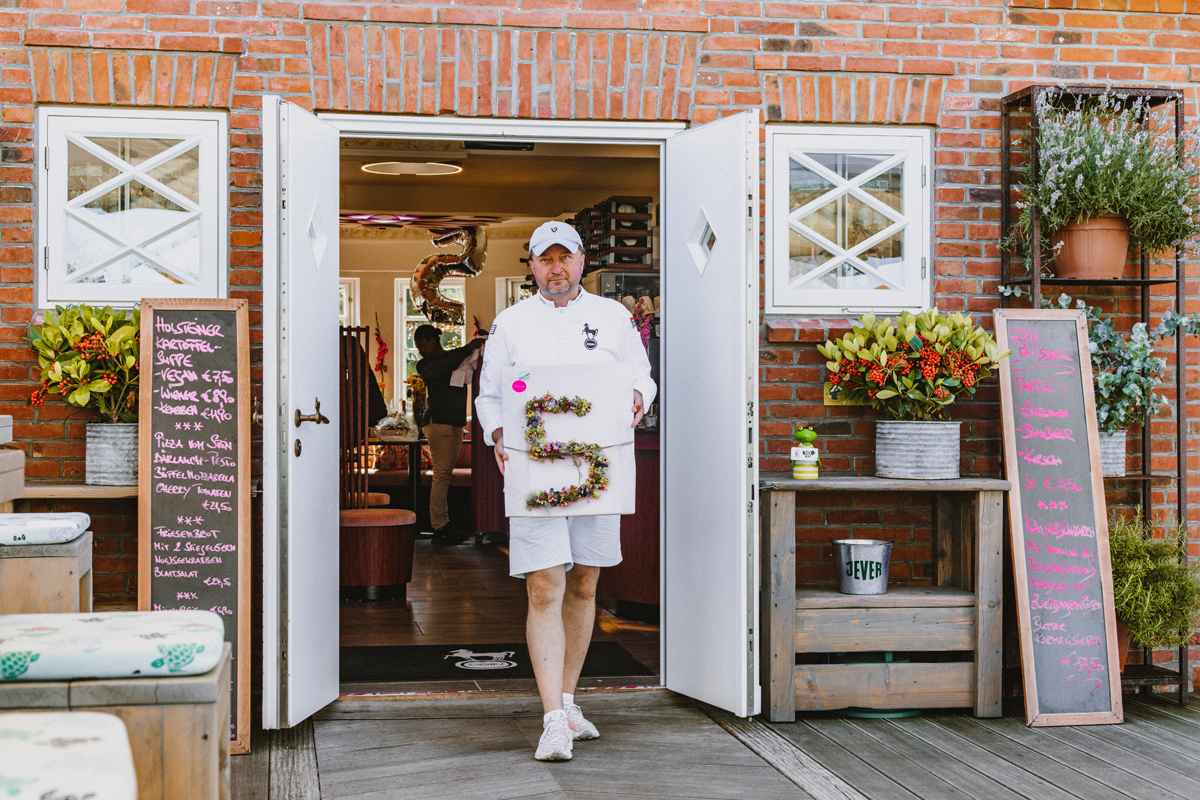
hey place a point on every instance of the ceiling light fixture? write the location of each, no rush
(412, 168)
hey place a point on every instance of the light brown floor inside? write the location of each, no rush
(461, 596)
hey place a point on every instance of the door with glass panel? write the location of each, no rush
(850, 220)
(134, 207)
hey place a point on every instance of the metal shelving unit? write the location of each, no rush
(1025, 102)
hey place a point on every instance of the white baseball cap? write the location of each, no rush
(554, 232)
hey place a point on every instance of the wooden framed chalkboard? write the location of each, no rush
(194, 473)
(1061, 563)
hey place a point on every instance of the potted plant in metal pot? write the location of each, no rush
(912, 368)
(90, 357)
(1156, 593)
(1109, 175)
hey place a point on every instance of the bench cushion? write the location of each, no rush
(21, 529)
(115, 644)
(65, 754)
(376, 517)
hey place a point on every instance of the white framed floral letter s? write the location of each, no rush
(131, 204)
(848, 219)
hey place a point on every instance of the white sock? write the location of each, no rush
(549, 715)
(568, 699)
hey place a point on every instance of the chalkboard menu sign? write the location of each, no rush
(1061, 563)
(194, 473)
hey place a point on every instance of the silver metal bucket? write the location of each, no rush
(917, 449)
(111, 458)
(1112, 454)
(862, 565)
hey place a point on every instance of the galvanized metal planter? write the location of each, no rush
(112, 454)
(862, 565)
(1112, 454)
(917, 450)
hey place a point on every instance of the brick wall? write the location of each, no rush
(916, 62)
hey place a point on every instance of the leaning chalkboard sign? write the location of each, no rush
(194, 473)
(1061, 564)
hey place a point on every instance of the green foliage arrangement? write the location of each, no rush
(1126, 371)
(90, 357)
(1112, 154)
(912, 367)
(1155, 592)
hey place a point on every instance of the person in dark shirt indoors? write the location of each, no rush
(447, 412)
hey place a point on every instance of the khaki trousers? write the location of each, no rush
(444, 443)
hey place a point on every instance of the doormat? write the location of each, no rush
(390, 663)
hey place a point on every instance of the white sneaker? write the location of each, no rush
(581, 729)
(555, 744)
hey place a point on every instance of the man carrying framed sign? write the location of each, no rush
(560, 537)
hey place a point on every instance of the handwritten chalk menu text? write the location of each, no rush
(194, 478)
(1057, 513)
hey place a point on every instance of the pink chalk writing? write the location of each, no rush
(1044, 413)
(1039, 458)
(1049, 433)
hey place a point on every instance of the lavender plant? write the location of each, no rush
(1112, 154)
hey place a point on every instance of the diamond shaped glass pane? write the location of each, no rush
(888, 187)
(804, 255)
(134, 212)
(848, 165)
(179, 249)
(130, 269)
(133, 150)
(85, 246)
(804, 185)
(847, 221)
(708, 239)
(182, 174)
(851, 277)
(85, 172)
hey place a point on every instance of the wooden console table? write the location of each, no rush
(961, 613)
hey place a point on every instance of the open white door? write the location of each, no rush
(300, 370)
(709, 413)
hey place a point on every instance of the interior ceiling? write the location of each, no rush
(551, 180)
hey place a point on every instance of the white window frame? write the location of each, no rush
(352, 287)
(209, 129)
(917, 146)
(403, 285)
(508, 291)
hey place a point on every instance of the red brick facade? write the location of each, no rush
(942, 63)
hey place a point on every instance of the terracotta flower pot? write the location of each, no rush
(1123, 642)
(1094, 248)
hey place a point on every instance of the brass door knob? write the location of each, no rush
(316, 416)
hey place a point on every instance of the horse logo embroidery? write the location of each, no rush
(590, 337)
(471, 660)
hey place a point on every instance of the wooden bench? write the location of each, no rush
(60, 755)
(47, 578)
(178, 726)
(962, 612)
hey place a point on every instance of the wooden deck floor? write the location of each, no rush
(658, 745)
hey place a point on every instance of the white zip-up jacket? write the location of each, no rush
(534, 332)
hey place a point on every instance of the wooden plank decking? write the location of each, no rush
(655, 744)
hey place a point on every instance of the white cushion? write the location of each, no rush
(42, 528)
(61, 754)
(114, 644)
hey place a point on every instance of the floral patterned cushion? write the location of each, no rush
(42, 528)
(65, 754)
(115, 644)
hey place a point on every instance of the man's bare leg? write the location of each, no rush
(544, 632)
(578, 617)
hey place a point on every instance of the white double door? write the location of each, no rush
(708, 398)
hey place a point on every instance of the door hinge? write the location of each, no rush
(46, 158)
(46, 257)
(923, 263)
(922, 174)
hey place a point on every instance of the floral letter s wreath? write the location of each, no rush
(541, 450)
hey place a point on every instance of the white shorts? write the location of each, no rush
(541, 542)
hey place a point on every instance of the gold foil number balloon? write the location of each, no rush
(427, 278)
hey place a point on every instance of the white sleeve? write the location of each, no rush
(488, 406)
(634, 354)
